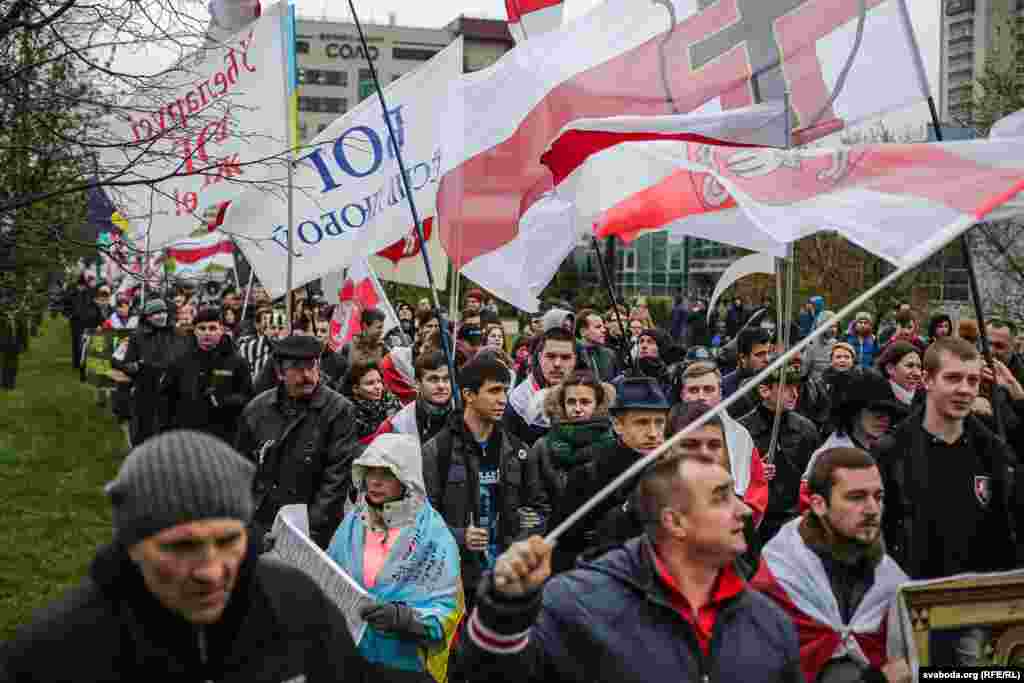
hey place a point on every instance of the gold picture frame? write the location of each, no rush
(937, 612)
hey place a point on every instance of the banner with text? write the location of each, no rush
(349, 199)
(204, 131)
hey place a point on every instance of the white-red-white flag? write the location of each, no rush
(549, 230)
(628, 58)
(196, 255)
(530, 18)
(889, 199)
(360, 291)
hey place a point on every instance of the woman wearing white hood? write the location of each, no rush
(395, 545)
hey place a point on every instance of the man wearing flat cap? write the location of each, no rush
(181, 593)
(301, 436)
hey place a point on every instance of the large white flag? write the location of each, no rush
(349, 197)
(204, 131)
(629, 58)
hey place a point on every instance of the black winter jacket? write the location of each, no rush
(192, 376)
(303, 452)
(798, 439)
(604, 462)
(151, 350)
(909, 509)
(451, 474)
(612, 620)
(278, 626)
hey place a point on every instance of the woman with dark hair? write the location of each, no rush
(364, 386)
(900, 363)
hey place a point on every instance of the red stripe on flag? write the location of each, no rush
(191, 255)
(573, 147)
(672, 199)
(517, 8)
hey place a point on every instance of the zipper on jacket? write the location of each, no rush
(204, 654)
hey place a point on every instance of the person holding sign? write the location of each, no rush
(400, 550)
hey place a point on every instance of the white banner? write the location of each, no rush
(293, 546)
(203, 131)
(349, 200)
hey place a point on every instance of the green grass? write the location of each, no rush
(57, 449)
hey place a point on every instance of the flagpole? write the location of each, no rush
(972, 279)
(248, 293)
(956, 228)
(290, 80)
(443, 326)
(623, 330)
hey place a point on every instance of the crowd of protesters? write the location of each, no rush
(766, 546)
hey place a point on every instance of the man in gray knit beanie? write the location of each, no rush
(180, 498)
(181, 594)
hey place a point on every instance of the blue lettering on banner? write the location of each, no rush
(377, 147)
(302, 232)
(341, 158)
(331, 227)
(335, 223)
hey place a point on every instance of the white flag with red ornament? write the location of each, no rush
(889, 199)
(628, 58)
(402, 262)
(549, 230)
(360, 291)
(530, 18)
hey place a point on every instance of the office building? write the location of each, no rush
(972, 31)
(333, 74)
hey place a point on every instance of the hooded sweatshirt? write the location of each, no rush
(402, 551)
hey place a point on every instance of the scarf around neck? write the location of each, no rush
(567, 439)
(904, 396)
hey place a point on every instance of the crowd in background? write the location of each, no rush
(383, 439)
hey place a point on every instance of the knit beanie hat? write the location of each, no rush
(175, 478)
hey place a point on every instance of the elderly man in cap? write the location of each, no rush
(639, 416)
(301, 435)
(151, 350)
(180, 594)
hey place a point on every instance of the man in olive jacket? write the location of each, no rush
(301, 435)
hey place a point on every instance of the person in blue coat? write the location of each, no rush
(397, 547)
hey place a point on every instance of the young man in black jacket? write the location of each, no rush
(476, 473)
(182, 595)
(667, 606)
(797, 441)
(209, 385)
(950, 501)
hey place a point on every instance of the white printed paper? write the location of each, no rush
(293, 546)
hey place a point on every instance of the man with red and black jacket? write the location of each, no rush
(667, 606)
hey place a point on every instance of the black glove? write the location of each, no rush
(394, 617)
(132, 368)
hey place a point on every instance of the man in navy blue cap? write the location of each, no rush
(301, 435)
(639, 415)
